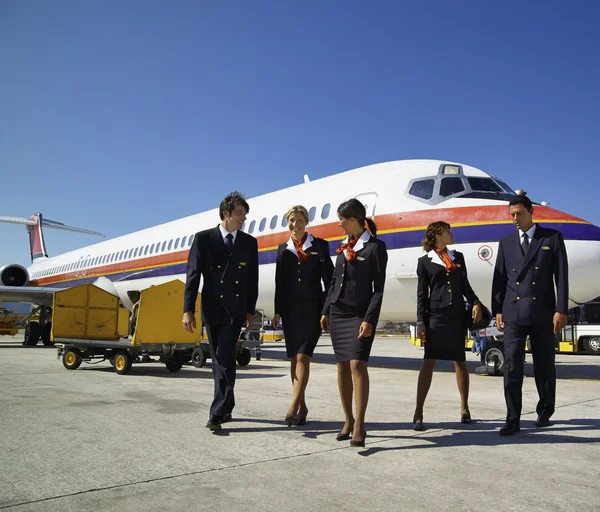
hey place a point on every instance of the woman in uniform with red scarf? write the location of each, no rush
(441, 318)
(303, 263)
(351, 312)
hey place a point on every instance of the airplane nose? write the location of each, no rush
(584, 270)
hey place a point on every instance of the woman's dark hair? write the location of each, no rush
(231, 201)
(434, 229)
(521, 200)
(354, 208)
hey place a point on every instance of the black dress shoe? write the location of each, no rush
(418, 423)
(214, 424)
(466, 418)
(291, 420)
(509, 429)
(542, 421)
(227, 418)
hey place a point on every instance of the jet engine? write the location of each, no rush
(13, 275)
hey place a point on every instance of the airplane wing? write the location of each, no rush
(42, 296)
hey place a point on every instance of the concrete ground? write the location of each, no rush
(91, 440)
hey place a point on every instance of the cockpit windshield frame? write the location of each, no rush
(505, 193)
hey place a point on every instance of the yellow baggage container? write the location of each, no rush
(88, 312)
(159, 316)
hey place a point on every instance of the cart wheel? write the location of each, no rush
(32, 334)
(198, 357)
(173, 364)
(493, 357)
(123, 362)
(71, 358)
(244, 357)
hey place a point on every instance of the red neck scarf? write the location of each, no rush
(302, 256)
(443, 253)
(350, 247)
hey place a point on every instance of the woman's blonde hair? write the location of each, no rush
(434, 229)
(298, 208)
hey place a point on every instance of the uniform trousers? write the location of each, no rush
(542, 342)
(222, 340)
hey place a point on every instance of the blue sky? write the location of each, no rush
(116, 116)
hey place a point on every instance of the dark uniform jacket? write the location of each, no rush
(230, 283)
(296, 281)
(437, 288)
(523, 286)
(359, 283)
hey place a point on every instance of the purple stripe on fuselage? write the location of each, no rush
(399, 240)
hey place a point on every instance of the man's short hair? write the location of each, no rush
(232, 200)
(521, 200)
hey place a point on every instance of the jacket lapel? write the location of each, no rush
(433, 256)
(534, 245)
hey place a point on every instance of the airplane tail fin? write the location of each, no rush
(34, 225)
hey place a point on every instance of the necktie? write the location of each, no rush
(229, 243)
(525, 244)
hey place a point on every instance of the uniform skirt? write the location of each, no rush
(344, 324)
(302, 327)
(445, 334)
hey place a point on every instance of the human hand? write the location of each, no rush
(421, 332)
(477, 312)
(499, 322)
(365, 330)
(325, 322)
(189, 321)
(559, 320)
(249, 321)
(275, 322)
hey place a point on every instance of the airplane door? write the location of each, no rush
(369, 199)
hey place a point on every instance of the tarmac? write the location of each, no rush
(92, 440)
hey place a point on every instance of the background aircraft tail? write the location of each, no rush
(34, 225)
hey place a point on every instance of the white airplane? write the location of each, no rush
(403, 197)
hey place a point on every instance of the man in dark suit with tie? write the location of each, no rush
(530, 263)
(227, 260)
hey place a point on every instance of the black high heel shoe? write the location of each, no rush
(344, 437)
(302, 419)
(361, 443)
(291, 420)
(418, 422)
(466, 418)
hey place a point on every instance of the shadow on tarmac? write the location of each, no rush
(564, 370)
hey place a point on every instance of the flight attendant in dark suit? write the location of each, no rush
(351, 311)
(303, 263)
(227, 260)
(530, 262)
(441, 315)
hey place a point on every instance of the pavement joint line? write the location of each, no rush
(419, 435)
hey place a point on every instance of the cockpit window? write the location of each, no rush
(506, 187)
(422, 189)
(484, 185)
(451, 186)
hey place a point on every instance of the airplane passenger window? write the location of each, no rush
(170, 245)
(164, 245)
(135, 252)
(146, 250)
(451, 186)
(284, 221)
(176, 244)
(252, 225)
(325, 211)
(311, 213)
(190, 240)
(262, 224)
(273, 222)
(151, 248)
(422, 189)
(484, 185)
(183, 241)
